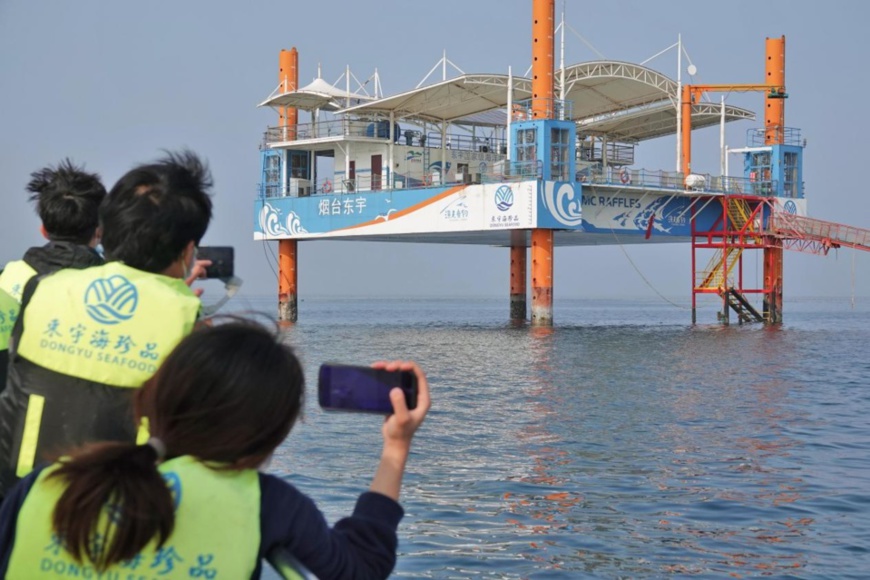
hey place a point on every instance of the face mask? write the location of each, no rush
(99, 249)
(188, 267)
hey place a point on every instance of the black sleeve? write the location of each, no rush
(18, 329)
(361, 546)
(9, 517)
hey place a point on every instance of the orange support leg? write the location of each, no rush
(774, 134)
(518, 276)
(772, 302)
(288, 77)
(287, 310)
(542, 277)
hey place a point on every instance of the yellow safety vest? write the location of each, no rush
(12, 281)
(216, 535)
(108, 324)
(99, 332)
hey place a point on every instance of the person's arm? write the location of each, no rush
(293, 530)
(398, 431)
(9, 509)
(197, 273)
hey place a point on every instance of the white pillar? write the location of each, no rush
(390, 149)
(679, 102)
(443, 177)
(510, 111)
(722, 138)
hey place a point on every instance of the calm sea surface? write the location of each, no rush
(623, 443)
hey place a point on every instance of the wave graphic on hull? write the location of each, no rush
(272, 225)
(563, 202)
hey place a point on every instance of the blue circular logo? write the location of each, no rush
(173, 482)
(504, 198)
(111, 300)
(790, 207)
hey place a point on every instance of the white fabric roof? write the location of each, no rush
(625, 101)
(318, 94)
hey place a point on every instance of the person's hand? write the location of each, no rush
(198, 273)
(399, 428)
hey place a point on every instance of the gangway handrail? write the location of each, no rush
(829, 234)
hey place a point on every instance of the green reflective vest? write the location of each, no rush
(108, 324)
(216, 535)
(12, 281)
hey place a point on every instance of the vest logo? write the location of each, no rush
(111, 300)
(504, 198)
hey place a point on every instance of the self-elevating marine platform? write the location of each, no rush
(500, 160)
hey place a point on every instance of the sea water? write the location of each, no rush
(622, 443)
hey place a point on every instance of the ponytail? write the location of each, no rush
(124, 479)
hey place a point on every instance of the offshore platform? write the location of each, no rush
(534, 163)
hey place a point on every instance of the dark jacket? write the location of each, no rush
(56, 255)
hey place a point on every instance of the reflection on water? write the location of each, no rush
(622, 443)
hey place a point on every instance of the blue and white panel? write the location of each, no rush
(461, 208)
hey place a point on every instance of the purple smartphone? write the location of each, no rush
(363, 389)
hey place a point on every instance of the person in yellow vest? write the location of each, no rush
(67, 202)
(190, 502)
(85, 339)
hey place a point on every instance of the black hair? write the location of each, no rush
(227, 394)
(67, 201)
(155, 210)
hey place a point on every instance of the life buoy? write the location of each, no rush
(327, 186)
(624, 177)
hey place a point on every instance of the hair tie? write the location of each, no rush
(158, 446)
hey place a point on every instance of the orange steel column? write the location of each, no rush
(542, 277)
(686, 147)
(543, 17)
(518, 275)
(774, 134)
(288, 77)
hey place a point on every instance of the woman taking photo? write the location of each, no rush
(190, 502)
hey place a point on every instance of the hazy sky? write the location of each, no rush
(110, 84)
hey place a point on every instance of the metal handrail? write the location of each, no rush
(674, 180)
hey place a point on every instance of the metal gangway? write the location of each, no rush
(816, 236)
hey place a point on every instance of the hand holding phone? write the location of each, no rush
(221, 260)
(364, 389)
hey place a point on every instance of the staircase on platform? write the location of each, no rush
(716, 275)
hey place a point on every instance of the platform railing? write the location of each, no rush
(379, 132)
(464, 142)
(507, 171)
(673, 180)
(776, 134)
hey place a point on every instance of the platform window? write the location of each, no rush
(790, 174)
(271, 175)
(559, 154)
(527, 151)
(299, 165)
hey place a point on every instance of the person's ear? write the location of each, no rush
(97, 237)
(44, 232)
